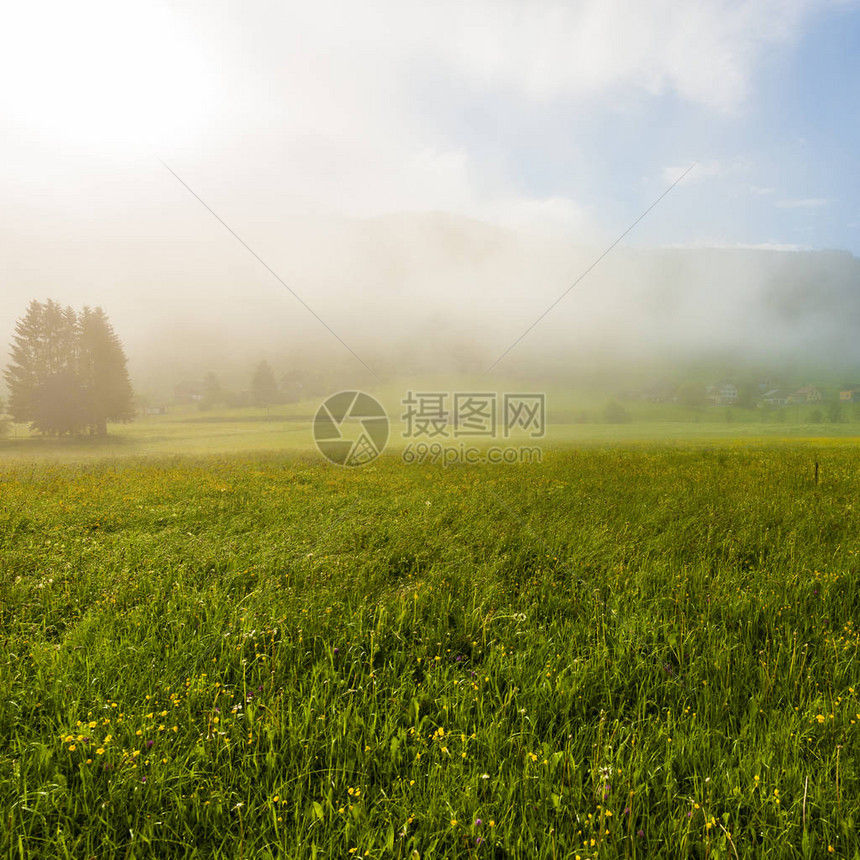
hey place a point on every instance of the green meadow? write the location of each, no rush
(574, 418)
(214, 644)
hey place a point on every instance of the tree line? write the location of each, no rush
(67, 374)
(265, 388)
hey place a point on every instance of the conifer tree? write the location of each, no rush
(68, 371)
(264, 386)
(22, 375)
(103, 372)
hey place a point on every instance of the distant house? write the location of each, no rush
(155, 410)
(723, 394)
(188, 392)
(775, 397)
(659, 391)
(850, 395)
(809, 394)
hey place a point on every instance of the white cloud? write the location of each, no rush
(700, 170)
(804, 203)
(706, 52)
(705, 244)
(348, 90)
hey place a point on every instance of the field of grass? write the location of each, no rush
(187, 431)
(625, 651)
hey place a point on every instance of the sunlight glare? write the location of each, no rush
(102, 74)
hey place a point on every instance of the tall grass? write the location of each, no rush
(647, 652)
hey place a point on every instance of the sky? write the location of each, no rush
(554, 119)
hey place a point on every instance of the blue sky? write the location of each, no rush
(779, 168)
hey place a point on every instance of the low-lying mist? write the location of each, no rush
(434, 293)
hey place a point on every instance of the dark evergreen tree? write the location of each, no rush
(103, 372)
(22, 375)
(43, 350)
(60, 405)
(264, 386)
(212, 391)
(67, 371)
